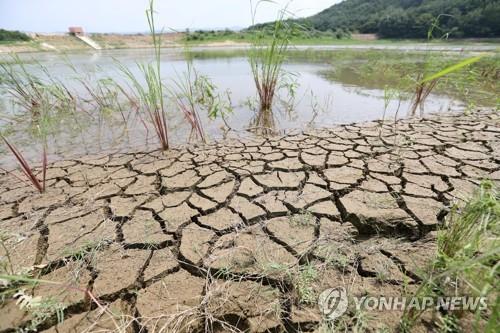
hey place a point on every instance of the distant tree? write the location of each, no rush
(12, 36)
(395, 24)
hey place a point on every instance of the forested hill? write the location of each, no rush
(412, 18)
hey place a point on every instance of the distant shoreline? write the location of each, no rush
(66, 43)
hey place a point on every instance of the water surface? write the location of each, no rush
(320, 100)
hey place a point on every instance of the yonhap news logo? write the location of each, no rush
(334, 302)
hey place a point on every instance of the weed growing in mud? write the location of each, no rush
(193, 92)
(266, 62)
(27, 170)
(304, 219)
(40, 308)
(151, 97)
(303, 281)
(426, 80)
(426, 83)
(26, 90)
(36, 93)
(186, 98)
(43, 309)
(466, 262)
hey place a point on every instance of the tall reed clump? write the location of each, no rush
(151, 96)
(466, 264)
(266, 61)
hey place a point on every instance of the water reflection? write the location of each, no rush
(320, 100)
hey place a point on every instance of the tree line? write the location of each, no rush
(411, 18)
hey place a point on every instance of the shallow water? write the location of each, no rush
(319, 101)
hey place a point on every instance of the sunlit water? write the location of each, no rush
(318, 102)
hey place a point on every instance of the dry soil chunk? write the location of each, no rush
(41, 200)
(214, 179)
(118, 268)
(195, 242)
(172, 303)
(220, 193)
(221, 219)
(142, 185)
(368, 206)
(427, 210)
(249, 188)
(202, 203)
(250, 251)
(176, 216)
(124, 206)
(248, 209)
(280, 180)
(248, 300)
(272, 202)
(343, 175)
(185, 179)
(143, 228)
(296, 231)
(73, 235)
(309, 195)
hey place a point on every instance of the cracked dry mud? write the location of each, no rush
(218, 236)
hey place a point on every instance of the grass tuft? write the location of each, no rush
(467, 263)
(151, 96)
(266, 61)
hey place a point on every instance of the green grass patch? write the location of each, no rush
(466, 264)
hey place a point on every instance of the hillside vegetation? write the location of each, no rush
(12, 36)
(411, 18)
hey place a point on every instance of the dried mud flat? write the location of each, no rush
(244, 235)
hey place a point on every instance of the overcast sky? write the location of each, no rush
(128, 15)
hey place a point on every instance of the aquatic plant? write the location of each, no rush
(28, 171)
(36, 88)
(151, 97)
(187, 93)
(25, 89)
(194, 93)
(426, 84)
(266, 61)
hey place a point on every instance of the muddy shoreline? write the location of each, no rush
(221, 234)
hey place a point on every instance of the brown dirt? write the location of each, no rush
(216, 238)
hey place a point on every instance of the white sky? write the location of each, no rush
(128, 15)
